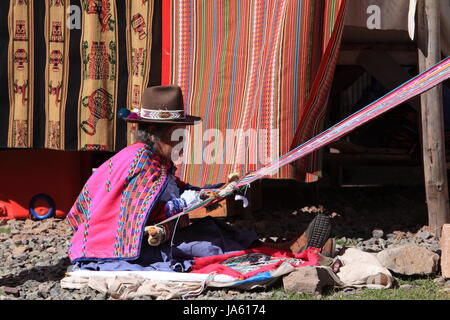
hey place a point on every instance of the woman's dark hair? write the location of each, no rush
(144, 132)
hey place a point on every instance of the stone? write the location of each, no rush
(20, 257)
(15, 291)
(423, 235)
(439, 281)
(19, 250)
(399, 234)
(390, 236)
(445, 251)
(28, 224)
(349, 291)
(377, 233)
(408, 286)
(409, 260)
(55, 291)
(51, 250)
(32, 296)
(309, 280)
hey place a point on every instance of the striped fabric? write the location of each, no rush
(402, 94)
(249, 67)
(311, 119)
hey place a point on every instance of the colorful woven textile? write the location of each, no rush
(109, 216)
(252, 66)
(249, 263)
(67, 66)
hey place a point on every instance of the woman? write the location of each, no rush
(136, 189)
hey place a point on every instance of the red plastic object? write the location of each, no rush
(25, 173)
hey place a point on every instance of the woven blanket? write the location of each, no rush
(246, 264)
(132, 286)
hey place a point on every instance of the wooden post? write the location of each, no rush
(434, 160)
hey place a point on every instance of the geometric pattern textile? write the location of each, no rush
(68, 66)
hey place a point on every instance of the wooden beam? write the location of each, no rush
(434, 162)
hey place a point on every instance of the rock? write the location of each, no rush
(51, 250)
(20, 257)
(15, 291)
(32, 296)
(19, 250)
(390, 236)
(349, 291)
(377, 233)
(369, 242)
(309, 280)
(423, 235)
(439, 281)
(28, 225)
(409, 260)
(44, 289)
(399, 234)
(55, 292)
(405, 242)
(408, 286)
(445, 251)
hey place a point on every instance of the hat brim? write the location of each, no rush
(188, 121)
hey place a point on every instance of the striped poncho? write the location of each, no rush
(110, 213)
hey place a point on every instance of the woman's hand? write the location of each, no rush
(188, 199)
(156, 235)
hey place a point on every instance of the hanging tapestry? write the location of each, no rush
(68, 66)
(20, 69)
(57, 40)
(249, 69)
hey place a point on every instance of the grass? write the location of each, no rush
(5, 230)
(343, 243)
(425, 289)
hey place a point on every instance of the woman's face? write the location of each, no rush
(165, 144)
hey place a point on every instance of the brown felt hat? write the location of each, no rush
(162, 104)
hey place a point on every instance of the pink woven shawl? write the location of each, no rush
(111, 211)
